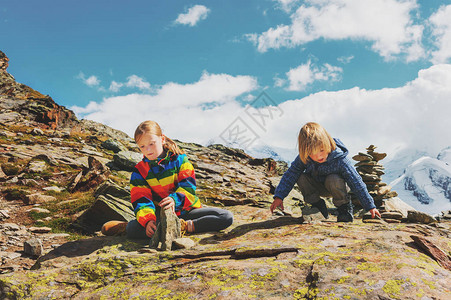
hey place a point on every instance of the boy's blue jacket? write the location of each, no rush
(336, 163)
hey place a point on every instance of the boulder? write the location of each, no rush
(112, 203)
(33, 247)
(419, 217)
(113, 145)
(396, 204)
(126, 160)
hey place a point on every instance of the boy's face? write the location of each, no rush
(151, 145)
(319, 156)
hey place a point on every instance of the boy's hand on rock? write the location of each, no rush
(374, 212)
(150, 228)
(168, 203)
(275, 204)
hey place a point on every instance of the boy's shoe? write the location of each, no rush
(114, 228)
(321, 205)
(345, 213)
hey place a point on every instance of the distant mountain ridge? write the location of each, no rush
(426, 183)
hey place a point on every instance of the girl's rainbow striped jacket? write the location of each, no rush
(154, 180)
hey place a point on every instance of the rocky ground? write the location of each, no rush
(61, 178)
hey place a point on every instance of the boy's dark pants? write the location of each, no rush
(334, 187)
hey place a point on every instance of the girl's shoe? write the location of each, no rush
(114, 228)
(183, 227)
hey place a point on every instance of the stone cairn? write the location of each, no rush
(371, 170)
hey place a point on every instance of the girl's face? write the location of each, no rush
(319, 156)
(151, 145)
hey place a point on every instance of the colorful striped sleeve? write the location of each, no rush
(141, 198)
(185, 194)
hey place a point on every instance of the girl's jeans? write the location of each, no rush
(204, 219)
(334, 186)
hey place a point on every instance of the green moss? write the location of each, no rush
(393, 288)
(360, 292)
(430, 284)
(420, 293)
(368, 267)
(301, 293)
(342, 279)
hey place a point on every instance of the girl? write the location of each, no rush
(165, 179)
(322, 169)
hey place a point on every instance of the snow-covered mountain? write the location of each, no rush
(426, 183)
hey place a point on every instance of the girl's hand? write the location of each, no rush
(275, 204)
(168, 203)
(150, 228)
(374, 212)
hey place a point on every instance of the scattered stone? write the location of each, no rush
(10, 226)
(147, 250)
(37, 131)
(40, 229)
(39, 210)
(388, 220)
(90, 177)
(113, 145)
(375, 221)
(38, 199)
(446, 215)
(126, 160)
(419, 217)
(36, 166)
(4, 214)
(396, 204)
(2, 174)
(90, 151)
(210, 168)
(29, 182)
(183, 243)
(53, 189)
(312, 214)
(392, 215)
(47, 158)
(9, 255)
(441, 257)
(33, 247)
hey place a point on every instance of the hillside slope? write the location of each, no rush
(52, 164)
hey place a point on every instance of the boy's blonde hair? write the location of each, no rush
(312, 138)
(152, 127)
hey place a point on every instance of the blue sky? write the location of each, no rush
(369, 71)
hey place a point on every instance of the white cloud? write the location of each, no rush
(89, 81)
(386, 24)
(345, 59)
(115, 86)
(441, 31)
(415, 115)
(286, 5)
(194, 15)
(304, 75)
(137, 82)
(191, 112)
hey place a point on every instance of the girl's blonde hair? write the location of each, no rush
(153, 128)
(312, 138)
